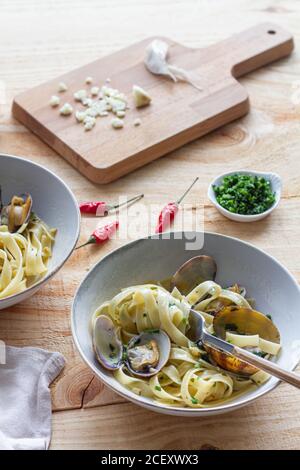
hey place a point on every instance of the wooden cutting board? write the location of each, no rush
(178, 114)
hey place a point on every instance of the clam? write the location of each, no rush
(107, 344)
(145, 355)
(193, 272)
(148, 353)
(17, 213)
(243, 321)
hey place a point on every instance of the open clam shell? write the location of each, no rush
(193, 272)
(107, 344)
(17, 213)
(148, 353)
(243, 321)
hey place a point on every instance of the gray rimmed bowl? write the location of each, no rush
(53, 201)
(156, 258)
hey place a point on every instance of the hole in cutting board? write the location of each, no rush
(271, 31)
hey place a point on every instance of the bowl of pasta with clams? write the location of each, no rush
(39, 227)
(132, 324)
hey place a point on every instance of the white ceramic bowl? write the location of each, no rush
(276, 186)
(52, 201)
(275, 290)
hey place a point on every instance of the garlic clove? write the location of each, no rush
(140, 96)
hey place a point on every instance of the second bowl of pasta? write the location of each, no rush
(39, 227)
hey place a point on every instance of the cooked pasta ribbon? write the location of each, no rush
(24, 256)
(188, 379)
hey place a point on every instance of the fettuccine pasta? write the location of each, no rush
(188, 379)
(24, 256)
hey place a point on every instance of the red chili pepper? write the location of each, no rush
(100, 209)
(100, 235)
(168, 213)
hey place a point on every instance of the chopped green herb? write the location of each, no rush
(157, 388)
(245, 194)
(260, 353)
(144, 314)
(269, 317)
(194, 401)
(205, 357)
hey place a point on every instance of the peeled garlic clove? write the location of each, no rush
(140, 96)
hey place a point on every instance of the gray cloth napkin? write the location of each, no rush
(25, 400)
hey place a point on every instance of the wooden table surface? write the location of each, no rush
(39, 40)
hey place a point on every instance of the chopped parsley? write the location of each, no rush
(245, 194)
(194, 401)
(259, 353)
(269, 317)
(157, 388)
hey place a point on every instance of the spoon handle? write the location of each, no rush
(259, 362)
(268, 366)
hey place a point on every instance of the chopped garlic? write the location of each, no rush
(80, 116)
(140, 96)
(54, 101)
(92, 111)
(117, 123)
(94, 90)
(116, 104)
(66, 109)
(87, 102)
(89, 123)
(137, 122)
(62, 87)
(80, 95)
(120, 114)
(88, 80)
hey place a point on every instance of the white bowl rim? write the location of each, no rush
(140, 400)
(212, 197)
(71, 248)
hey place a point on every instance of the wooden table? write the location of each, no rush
(39, 40)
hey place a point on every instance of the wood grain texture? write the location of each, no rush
(38, 43)
(178, 113)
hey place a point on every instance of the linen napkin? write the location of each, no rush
(25, 400)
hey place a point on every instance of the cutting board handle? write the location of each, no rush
(256, 47)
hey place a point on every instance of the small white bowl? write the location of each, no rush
(276, 187)
(53, 201)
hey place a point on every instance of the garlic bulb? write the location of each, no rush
(156, 62)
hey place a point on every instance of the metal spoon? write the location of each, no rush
(202, 268)
(198, 334)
